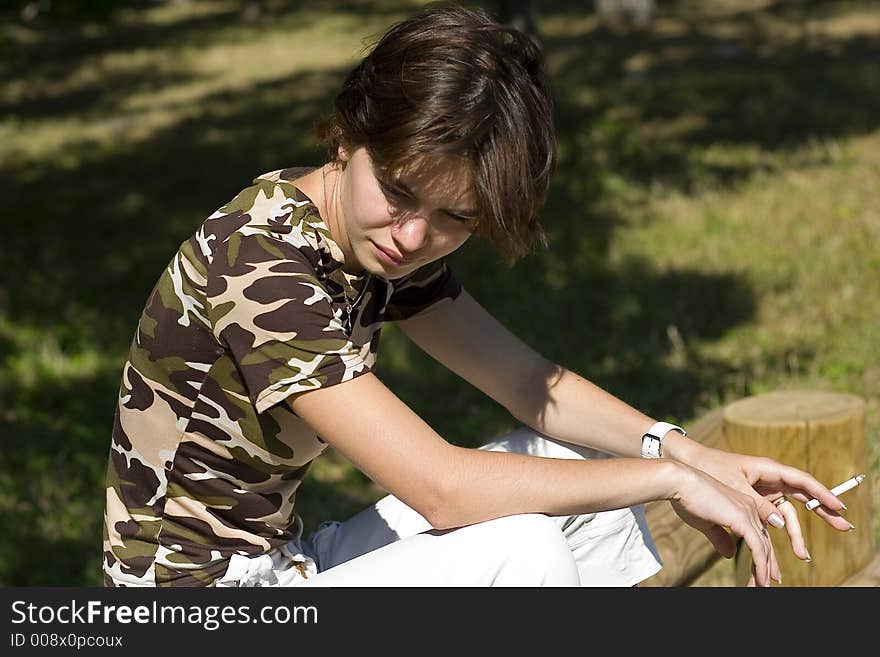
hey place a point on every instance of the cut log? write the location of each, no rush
(819, 432)
(822, 433)
(867, 576)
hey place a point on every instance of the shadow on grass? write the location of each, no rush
(109, 26)
(52, 470)
(661, 99)
(83, 246)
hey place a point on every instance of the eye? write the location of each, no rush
(393, 194)
(460, 219)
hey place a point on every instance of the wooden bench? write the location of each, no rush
(820, 432)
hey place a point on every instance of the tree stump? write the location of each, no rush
(822, 433)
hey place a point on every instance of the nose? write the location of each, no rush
(410, 232)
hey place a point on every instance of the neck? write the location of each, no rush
(331, 188)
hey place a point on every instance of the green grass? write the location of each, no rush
(713, 222)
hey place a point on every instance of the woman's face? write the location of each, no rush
(393, 227)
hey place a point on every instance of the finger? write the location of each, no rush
(830, 516)
(793, 527)
(762, 564)
(834, 519)
(761, 529)
(775, 572)
(721, 540)
(755, 540)
(803, 482)
(769, 547)
(768, 512)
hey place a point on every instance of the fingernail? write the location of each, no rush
(851, 527)
(809, 557)
(779, 579)
(843, 506)
(776, 520)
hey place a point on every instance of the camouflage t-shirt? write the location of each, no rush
(205, 460)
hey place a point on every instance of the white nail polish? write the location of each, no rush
(776, 520)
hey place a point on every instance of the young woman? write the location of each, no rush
(255, 351)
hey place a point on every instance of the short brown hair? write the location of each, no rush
(451, 81)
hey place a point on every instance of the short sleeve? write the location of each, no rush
(418, 292)
(267, 305)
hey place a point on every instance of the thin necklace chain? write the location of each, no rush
(345, 284)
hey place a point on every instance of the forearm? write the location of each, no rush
(453, 486)
(560, 403)
(483, 485)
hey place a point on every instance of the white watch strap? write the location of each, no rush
(652, 441)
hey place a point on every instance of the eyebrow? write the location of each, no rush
(464, 214)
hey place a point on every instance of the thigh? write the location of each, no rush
(390, 520)
(520, 550)
(411, 561)
(608, 541)
(611, 548)
(387, 521)
(525, 440)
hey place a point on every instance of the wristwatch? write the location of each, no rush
(652, 441)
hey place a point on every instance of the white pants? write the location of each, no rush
(389, 544)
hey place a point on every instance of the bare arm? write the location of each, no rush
(453, 486)
(547, 397)
(559, 403)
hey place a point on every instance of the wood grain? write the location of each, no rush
(822, 433)
(819, 432)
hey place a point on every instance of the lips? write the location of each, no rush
(393, 255)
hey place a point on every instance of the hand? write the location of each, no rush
(766, 481)
(716, 509)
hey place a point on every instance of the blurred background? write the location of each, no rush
(714, 224)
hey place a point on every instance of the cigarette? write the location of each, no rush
(837, 490)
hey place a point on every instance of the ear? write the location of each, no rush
(343, 153)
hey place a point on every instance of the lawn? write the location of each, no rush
(713, 224)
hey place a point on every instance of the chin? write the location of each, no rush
(393, 272)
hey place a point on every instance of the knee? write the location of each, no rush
(532, 533)
(533, 546)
